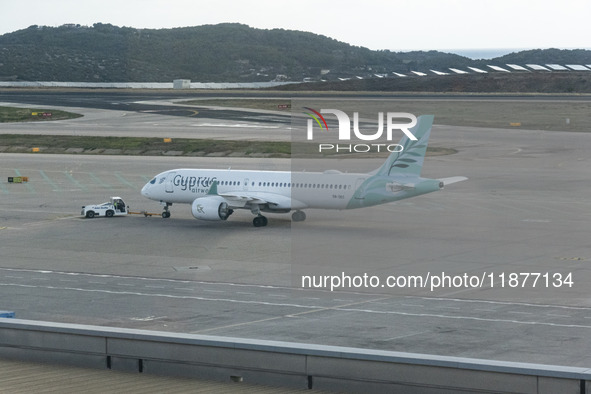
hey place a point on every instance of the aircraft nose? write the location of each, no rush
(145, 190)
(148, 188)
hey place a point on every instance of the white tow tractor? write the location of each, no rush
(115, 207)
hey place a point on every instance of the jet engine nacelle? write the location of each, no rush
(211, 208)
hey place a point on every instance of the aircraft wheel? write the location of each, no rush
(259, 221)
(298, 216)
(165, 214)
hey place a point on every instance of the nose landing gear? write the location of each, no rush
(166, 212)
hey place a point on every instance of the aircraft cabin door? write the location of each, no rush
(168, 186)
(245, 187)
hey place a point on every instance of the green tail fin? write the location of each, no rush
(410, 160)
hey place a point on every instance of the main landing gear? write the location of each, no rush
(298, 216)
(259, 221)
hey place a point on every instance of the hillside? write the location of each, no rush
(217, 53)
(211, 53)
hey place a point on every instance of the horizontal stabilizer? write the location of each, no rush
(453, 179)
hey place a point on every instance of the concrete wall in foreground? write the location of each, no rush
(278, 363)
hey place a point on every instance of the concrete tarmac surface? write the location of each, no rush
(524, 209)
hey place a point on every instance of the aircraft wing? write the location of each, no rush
(240, 199)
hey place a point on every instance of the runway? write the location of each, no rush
(523, 210)
(196, 123)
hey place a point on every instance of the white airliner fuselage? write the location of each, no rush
(185, 185)
(214, 194)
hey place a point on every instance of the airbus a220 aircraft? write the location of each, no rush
(215, 194)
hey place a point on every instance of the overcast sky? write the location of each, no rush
(376, 24)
